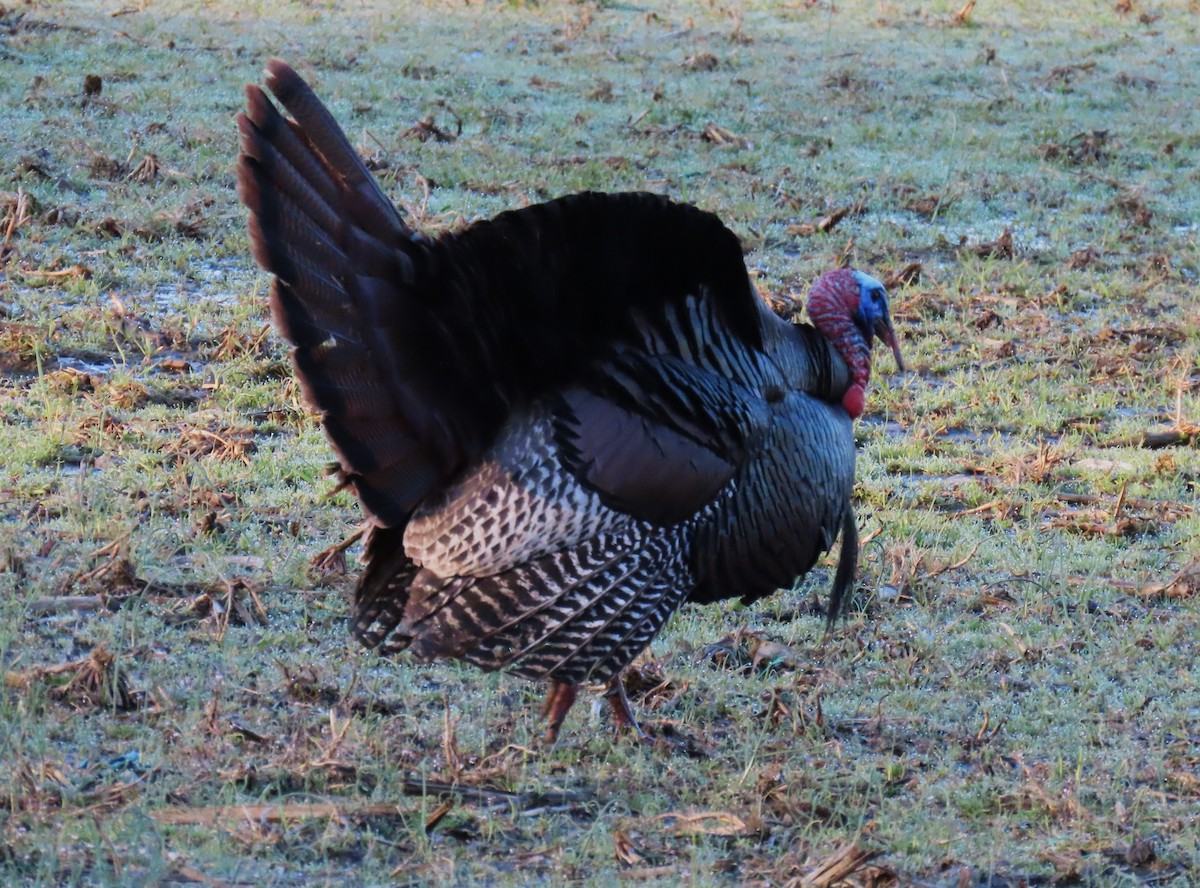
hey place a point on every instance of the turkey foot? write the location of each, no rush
(555, 709)
(622, 712)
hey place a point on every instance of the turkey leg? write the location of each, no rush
(555, 709)
(622, 712)
(561, 696)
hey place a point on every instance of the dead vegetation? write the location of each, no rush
(1012, 700)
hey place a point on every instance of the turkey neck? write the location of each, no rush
(808, 361)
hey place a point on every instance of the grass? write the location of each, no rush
(1015, 702)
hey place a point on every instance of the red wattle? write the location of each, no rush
(855, 400)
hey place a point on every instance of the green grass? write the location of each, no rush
(1017, 699)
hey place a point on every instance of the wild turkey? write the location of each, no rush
(562, 423)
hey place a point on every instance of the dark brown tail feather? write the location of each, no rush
(371, 208)
(320, 223)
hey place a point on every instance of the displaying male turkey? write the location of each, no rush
(562, 423)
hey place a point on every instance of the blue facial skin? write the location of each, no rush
(872, 316)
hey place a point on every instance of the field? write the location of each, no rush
(1015, 697)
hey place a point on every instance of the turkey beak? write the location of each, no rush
(887, 334)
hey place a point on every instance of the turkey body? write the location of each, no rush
(562, 423)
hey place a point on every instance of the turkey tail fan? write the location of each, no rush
(320, 223)
(515, 307)
(358, 189)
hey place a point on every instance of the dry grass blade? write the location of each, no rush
(1082, 149)
(73, 272)
(1148, 505)
(62, 603)
(150, 168)
(95, 681)
(238, 604)
(711, 823)
(828, 223)
(99, 681)
(435, 817)
(15, 212)
(903, 277)
(625, 850)
(652, 873)
(1185, 583)
(491, 797)
(425, 129)
(963, 16)
(26, 677)
(184, 872)
(1083, 258)
(702, 61)
(1001, 507)
(114, 558)
(926, 207)
(229, 816)
(1001, 248)
(146, 171)
(767, 654)
(220, 444)
(1183, 436)
(844, 258)
(838, 867)
(719, 135)
(450, 750)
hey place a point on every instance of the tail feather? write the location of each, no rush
(359, 190)
(338, 249)
(311, 323)
(285, 181)
(283, 146)
(382, 592)
(611, 660)
(302, 220)
(336, 378)
(372, 443)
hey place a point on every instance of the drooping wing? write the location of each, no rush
(789, 504)
(657, 437)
